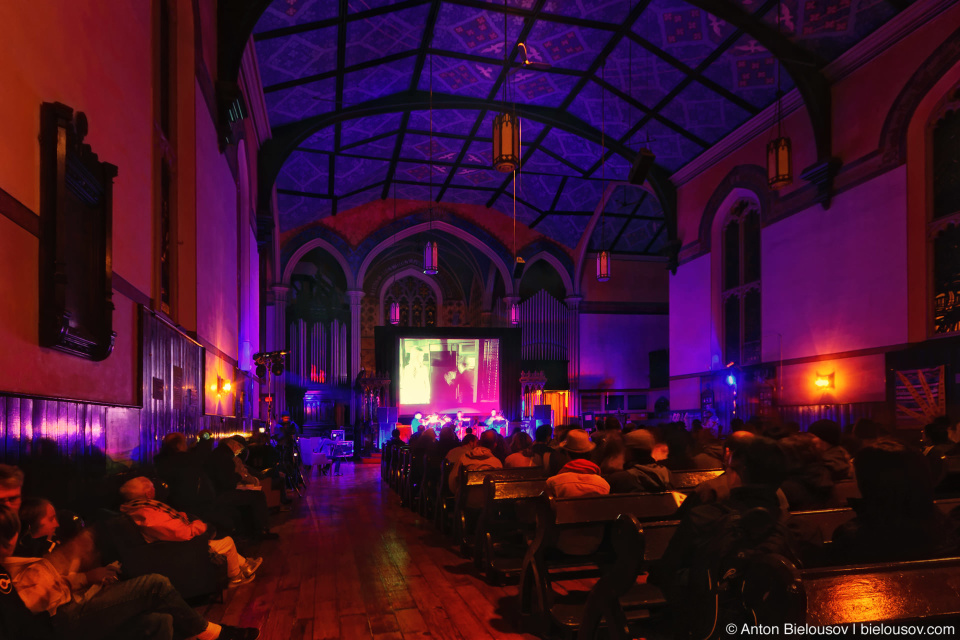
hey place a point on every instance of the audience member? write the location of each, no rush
(896, 516)
(94, 605)
(808, 483)
(11, 487)
(467, 444)
(479, 457)
(679, 448)
(576, 445)
(161, 523)
(446, 442)
(709, 450)
(611, 453)
(541, 444)
(576, 479)
(521, 452)
(249, 502)
(16, 621)
(835, 457)
(38, 519)
(641, 473)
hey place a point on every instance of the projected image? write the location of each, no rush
(449, 375)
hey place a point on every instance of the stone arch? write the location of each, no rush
(745, 180)
(894, 134)
(557, 265)
(436, 225)
(319, 243)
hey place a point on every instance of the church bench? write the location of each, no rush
(574, 540)
(505, 526)
(688, 480)
(444, 503)
(469, 500)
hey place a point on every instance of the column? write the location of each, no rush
(354, 296)
(278, 342)
(573, 353)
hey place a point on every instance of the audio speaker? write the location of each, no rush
(542, 414)
(641, 167)
(518, 268)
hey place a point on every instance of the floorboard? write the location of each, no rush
(351, 564)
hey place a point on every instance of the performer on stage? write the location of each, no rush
(496, 421)
(415, 424)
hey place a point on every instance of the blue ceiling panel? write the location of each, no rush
(416, 145)
(299, 55)
(541, 162)
(565, 46)
(467, 196)
(690, 78)
(352, 174)
(303, 101)
(306, 172)
(580, 195)
(358, 199)
(357, 6)
(300, 210)
(474, 31)
(454, 121)
(413, 192)
(539, 190)
(360, 129)
(479, 153)
(614, 11)
(605, 232)
(572, 148)
(705, 113)
(567, 230)
(595, 104)
(322, 140)
(386, 34)
(525, 214)
(375, 82)
(624, 199)
(460, 77)
(468, 177)
(287, 13)
(539, 87)
(685, 32)
(379, 148)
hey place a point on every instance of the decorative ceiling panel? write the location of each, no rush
(675, 80)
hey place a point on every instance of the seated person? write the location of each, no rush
(39, 524)
(11, 487)
(395, 437)
(897, 519)
(16, 621)
(95, 605)
(809, 483)
(641, 473)
(251, 506)
(521, 452)
(576, 479)
(836, 458)
(480, 457)
(467, 444)
(576, 445)
(161, 523)
(541, 443)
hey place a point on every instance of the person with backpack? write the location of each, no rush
(700, 569)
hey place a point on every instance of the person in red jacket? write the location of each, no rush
(160, 522)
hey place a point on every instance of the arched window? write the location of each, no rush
(418, 302)
(741, 284)
(944, 227)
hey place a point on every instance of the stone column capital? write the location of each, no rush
(573, 302)
(355, 295)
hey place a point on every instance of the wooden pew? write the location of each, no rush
(385, 453)
(503, 532)
(688, 480)
(444, 504)
(563, 524)
(469, 500)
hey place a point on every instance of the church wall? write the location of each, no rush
(615, 349)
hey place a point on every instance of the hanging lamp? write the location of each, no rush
(506, 126)
(779, 164)
(431, 263)
(394, 306)
(603, 258)
(514, 313)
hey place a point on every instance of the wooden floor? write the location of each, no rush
(352, 564)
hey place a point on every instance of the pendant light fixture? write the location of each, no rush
(431, 263)
(394, 306)
(506, 126)
(603, 258)
(779, 165)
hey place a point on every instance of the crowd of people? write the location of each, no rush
(769, 471)
(52, 580)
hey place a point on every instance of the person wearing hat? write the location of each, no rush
(576, 479)
(576, 445)
(641, 473)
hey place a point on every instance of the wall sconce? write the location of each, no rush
(221, 386)
(824, 382)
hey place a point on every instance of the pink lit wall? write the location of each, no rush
(836, 280)
(217, 259)
(692, 334)
(615, 348)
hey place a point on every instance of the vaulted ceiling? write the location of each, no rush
(349, 86)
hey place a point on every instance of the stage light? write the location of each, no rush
(277, 368)
(824, 382)
(261, 370)
(731, 380)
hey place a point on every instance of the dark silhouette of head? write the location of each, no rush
(826, 430)
(488, 439)
(760, 461)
